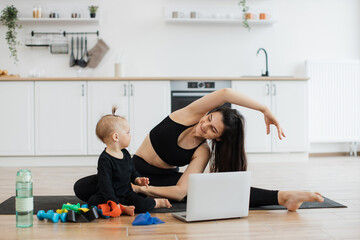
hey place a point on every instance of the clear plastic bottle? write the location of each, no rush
(24, 202)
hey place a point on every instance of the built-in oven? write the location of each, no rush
(185, 92)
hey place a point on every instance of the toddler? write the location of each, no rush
(116, 171)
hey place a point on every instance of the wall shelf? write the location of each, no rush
(58, 20)
(218, 20)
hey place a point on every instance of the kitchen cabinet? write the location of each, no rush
(288, 101)
(102, 96)
(17, 118)
(149, 104)
(60, 118)
(143, 103)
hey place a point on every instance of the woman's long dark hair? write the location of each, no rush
(229, 153)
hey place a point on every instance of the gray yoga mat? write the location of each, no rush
(56, 202)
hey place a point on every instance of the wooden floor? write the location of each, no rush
(337, 178)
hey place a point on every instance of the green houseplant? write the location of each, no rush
(8, 18)
(93, 10)
(244, 9)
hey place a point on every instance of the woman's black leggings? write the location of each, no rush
(86, 187)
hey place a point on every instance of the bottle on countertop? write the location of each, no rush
(24, 202)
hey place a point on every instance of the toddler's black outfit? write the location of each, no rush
(113, 183)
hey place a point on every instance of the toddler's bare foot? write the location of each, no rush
(292, 200)
(162, 203)
(128, 210)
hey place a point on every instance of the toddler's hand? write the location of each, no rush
(142, 181)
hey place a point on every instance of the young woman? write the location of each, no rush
(180, 139)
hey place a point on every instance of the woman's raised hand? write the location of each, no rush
(270, 119)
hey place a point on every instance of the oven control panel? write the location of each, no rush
(210, 85)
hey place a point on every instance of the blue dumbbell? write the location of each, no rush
(50, 215)
(63, 217)
(101, 213)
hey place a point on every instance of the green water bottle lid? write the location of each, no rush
(24, 176)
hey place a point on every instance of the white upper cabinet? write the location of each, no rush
(102, 96)
(288, 101)
(17, 118)
(60, 118)
(149, 104)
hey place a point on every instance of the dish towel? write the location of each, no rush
(97, 53)
(146, 219)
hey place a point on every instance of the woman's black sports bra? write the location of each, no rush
(164, 137)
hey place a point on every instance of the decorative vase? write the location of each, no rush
(93, 15)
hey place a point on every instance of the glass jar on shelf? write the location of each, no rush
(37, 11)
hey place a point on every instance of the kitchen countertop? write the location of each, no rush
(284, 78)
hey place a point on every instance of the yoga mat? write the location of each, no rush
(56, 202)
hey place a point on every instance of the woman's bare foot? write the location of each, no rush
(292, 200)
(162, 203)
(128, 210)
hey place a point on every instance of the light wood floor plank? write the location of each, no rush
(337, 178)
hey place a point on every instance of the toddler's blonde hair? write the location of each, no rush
(107, 124)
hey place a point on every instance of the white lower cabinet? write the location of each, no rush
(149, 104)
(60, 118)
(142, 103)
(288, 101)
(17, 118)
(101, 98)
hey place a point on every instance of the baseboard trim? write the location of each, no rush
(333, 154)
(278, 157)
(48, 161)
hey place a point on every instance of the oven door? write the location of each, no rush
(180, 99)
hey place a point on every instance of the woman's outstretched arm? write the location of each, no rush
(197, 109)
(179, 191)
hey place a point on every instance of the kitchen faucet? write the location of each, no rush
(266, 58)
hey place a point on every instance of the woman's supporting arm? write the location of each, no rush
(179, 191)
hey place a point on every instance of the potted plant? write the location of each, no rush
(93, 10)
(244, 9)
(9, 18)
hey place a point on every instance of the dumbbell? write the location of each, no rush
(50, 215)
(63, 217)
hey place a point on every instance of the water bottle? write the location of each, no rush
(24, 202)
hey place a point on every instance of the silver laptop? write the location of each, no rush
(216, 196)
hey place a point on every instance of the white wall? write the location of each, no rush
(321, 29)
(306, 29)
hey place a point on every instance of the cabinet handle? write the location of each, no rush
(274, 89)
(82, 90)
(267, 89)
(125, 90)
(131, 90)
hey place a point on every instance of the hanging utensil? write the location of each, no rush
(72, 59)
(81, 62)
(86, 54)
(77, 51)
